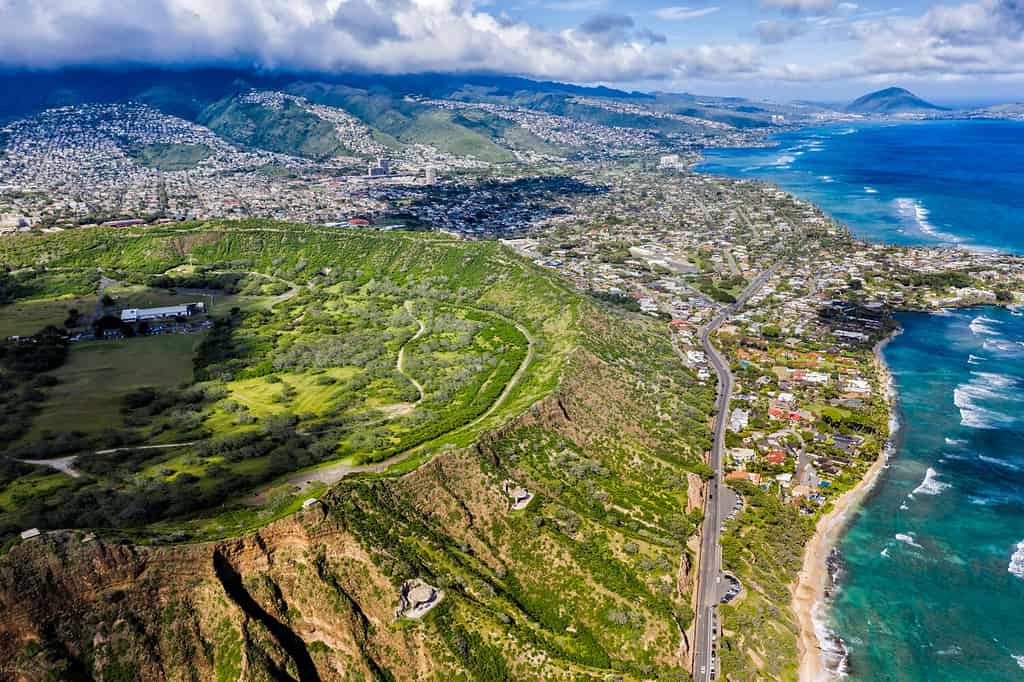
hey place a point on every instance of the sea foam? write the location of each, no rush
(931, 485)
(914, 212)
(999, 462)
(833, 651)
(982, 325)
(1017, 561)
(974, 416)
(908, 539)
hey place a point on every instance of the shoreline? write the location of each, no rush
(809, 590)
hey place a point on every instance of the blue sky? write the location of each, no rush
(971, 50)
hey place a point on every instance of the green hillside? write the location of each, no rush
(412, 123)
(290, 130)
(457, 367)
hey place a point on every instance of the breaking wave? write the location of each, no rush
(834, 653)
(931, 485)
(908, 539)
(914, 212)
(999, 462)
(982, 325)
(985, 386)
(1017, 561)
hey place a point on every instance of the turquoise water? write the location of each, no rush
(931, 182)
(932, 578)
(932, 584)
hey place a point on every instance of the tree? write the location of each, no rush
(72, 319)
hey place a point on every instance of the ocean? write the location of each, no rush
(929, 182)
(932, 579)
(931, 584)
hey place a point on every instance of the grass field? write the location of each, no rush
(99, 373)
(28, 317)
(137, 296)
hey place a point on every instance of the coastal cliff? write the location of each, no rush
(580, 582)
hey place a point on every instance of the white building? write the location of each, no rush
(145, 314)
(742, 455)
(739, 420)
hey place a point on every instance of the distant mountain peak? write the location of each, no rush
(891, 101)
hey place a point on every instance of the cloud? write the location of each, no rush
(377, 36)
(772, 32)
(971, 39)
(684, 13)
(800, 6)
(606, 23)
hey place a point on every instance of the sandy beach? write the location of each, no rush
(809, 590)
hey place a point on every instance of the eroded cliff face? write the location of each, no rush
(583, 583)
(300, 599)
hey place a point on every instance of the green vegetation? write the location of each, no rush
(170, 157)
(305, 378)
(289, 130)
(92, 385)
(939, 280)
(298, 373)
(763, 547)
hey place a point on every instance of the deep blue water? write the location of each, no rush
(933, 182)
(933, 584)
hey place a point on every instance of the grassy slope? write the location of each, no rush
(172, 157)
(602, 429)
(291, 130)
(99, 374)
(401, 122)
(28, 317)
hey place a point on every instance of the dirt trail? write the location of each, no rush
(333, 473)
(400, 363)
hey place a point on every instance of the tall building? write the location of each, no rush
(379, 169)
(431, 175)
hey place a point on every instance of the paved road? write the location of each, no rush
(709, 574)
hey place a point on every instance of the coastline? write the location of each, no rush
(814, 578)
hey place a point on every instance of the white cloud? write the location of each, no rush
(800, 6)
(383, 36)
(972, 39)
(684, 13)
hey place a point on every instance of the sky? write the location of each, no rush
(826, 50)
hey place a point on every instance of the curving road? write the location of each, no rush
(709, 573)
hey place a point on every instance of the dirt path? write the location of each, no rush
(400, 363)
(66, 465)
(333, 473)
